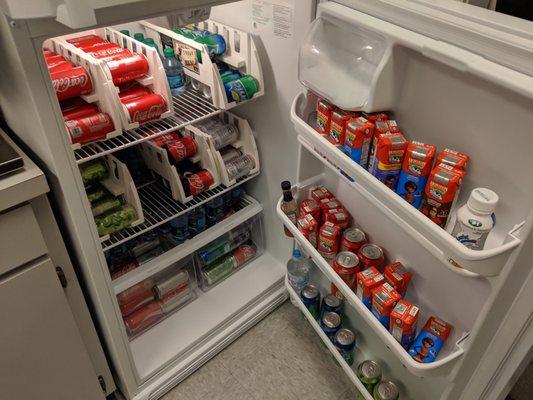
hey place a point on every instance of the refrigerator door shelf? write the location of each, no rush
(189, 108)
(241, 54)
(245, 143)
(488, 262)
(359, 355)
(418, 295)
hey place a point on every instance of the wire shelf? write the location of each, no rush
(159, 207)
(189, 108)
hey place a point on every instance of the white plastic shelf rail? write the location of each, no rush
(241, 54)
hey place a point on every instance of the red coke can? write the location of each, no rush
(54, 60)
(80, 112)
(61, 66)
(181, 148)
(107, 50)
(128, 68)
(167, 137)
(89, 128)
(48, 53)
(143, 318)
(145, 108)
(85, 40)
(133, 92)
(71, 83)
(198, 182)
(352, 240)
(371, 255)
(346, 265)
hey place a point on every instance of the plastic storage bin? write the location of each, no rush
(229, 253)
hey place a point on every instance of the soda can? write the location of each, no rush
(242, 254)
(223, 135)
(106, 50)
(71, 82)
(331, 303)
(85, 40)
(89, 128)
(214, 210)
(230, 154)
(160, 141)
(352, 240)
(241, 89)
(197, 220)
(240, 166)
(386, 390)
(181, 148)
(105, 205)
(145, 108)
(170, 283)
(369, 373)
(135, 297)
(132, 92)
(180, 227)
(60, 66)
(344, 341)
(143, 318)
(371, 255)
(330, 324)
(328, 256)
(206, 91)
(175, 299)
(94, 171)
(128, 68)
(346, 265)
(310, 296)
(80, 112)
(228, 76)
(198, 182)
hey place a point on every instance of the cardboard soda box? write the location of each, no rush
(309, 227)
(403, 319)
(430, 340)
(452, 158)
(398, 277)
(416, 168)
(323, 116)
(384, 299)
(441, 193)
(328, 238)
(337, 130)
(386, 162)
(359, 133)
(366, 281)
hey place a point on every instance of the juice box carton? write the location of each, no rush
(403, 319)
(377, 116)
(398, 277)
(416, 168)
(337, 130)
(430, 340)
(328, 204)
(320, 192)
(310, 206)
(453, 159)
(384, 299)
(338, 216)
(386, 162)
(359, 133)
(309, 227)
(441, 192)
(366, 281)
(328, 238)
(323, 116)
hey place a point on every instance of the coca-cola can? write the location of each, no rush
(71, 82)
(145, 108)
(128, 68)
(85, 40)
(133, 92)
(352, 240)
(48, 53)
(92, 127)
(80, 112)
(52, 60)
(181, 148)
(199, 182)
(61, 66)
(243, 254)
(107, 50)
(143, 318)
(160, 141)
(346, 265)
(371, 255)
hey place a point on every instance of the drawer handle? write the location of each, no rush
(62, 277)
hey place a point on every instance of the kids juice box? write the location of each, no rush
(377, 116)
(338, 216)
(309, 227)
(366, 281)
(403, 319)
(415, 171)
(441, 193)
(337, 130)
(323, 116)
(320, 192)
(384, 299)
(359, 133)
(452, 158)
(386, 162)
(430, 340)
(398, 277)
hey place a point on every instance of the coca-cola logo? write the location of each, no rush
(196, 184)
(151, 113)
(107, 52)
(178, 150)
(63, 84)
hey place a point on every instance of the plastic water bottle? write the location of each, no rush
(174, 71)
(298, 271)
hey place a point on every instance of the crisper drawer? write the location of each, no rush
(20, 238)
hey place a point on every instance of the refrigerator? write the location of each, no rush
(452, 74)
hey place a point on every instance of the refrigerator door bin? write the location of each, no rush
(426, 289)
(157, 159)
(154, 299)
(499, 246)
(228, 254)
(245, 144)
(241, 54)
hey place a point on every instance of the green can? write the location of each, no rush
(139, 37)
(115, 221)
(241, 89)
(93, 172)
(386, 390)
(106, 204)
(96, 193)
(369, 373)
(310, 296)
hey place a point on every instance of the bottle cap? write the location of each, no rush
(125, 32)
(148, 40)
(286, 185)
(483, 200)
(169, 52)
(296, 253)
(138, 36)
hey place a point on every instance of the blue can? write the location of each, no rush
(330, 324)
(344, 341)
(197, 221)
(180, 227)
(331, 303)
(214, 211)
(310, 296)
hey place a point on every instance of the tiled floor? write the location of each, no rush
(281, 358)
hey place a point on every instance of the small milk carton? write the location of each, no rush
(452, 158)
(366, 281)
(403, 319)
(323, 117)
(386, 162)
(337, 130)
(384, 298)
(430, 340)
(398, 277)
(359, 133)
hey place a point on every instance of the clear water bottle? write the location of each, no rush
(298, 271)
(174, 71)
